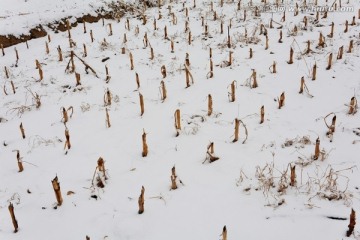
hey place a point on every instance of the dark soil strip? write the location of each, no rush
(39, 31)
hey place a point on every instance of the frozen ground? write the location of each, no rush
(247, 189)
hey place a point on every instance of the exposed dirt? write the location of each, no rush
(57, 26)
(11, 40)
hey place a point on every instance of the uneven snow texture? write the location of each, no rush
(247, 189)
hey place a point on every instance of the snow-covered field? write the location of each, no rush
(247, 188)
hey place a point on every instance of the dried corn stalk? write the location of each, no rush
(302, 83)
(317, 149)
(107, 98)
(266, 42)
(305, 22)
(91, 36)
(151, 53)
(108, 77)
(281, 100)
(224, 233)
(110, 29)
(13, 87)
(353, 106)
(262, 114)
(40, 73)
(210, 105)
(68, 27)
(165, 33)
(163, 71)
(173, 178)
(230, 58)
(228, 38)
(352, 223)
(211, 73)
(188, 76)
(17, 56)
(292, 176)
(67, 139)
(85, 50)
(145, 40)
(102, 177)
(273, 67)
(78, 79)
(142, 108)
(350, 46)
(210, 153)
(308, 49)
(172, 45)
(346, 26)
(321, 42)
(177, 122)
(137, 79)
(22, 130)
(314, 72)
(291, 56)
(101, 167)
(84, 26)
(131, 61)
(236, 131)
(60, 54)
(2, 49)
(340, 52)
(107, 118)
(163, 90)
(325, 14)
(65, 118)
(141, 200)
(127, 24)
(57, 190)
(47, 48)
(6, 72)
(19, 160)
(72, 62)
(331, 128)
(332, 30)
(187, 59)
(232, 91)
(144, 145)
(303, 87)
(250, 53)
(12, 214)
(173, 182)
(253, 76)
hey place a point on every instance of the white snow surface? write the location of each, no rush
(30, 13)
(241, 189)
